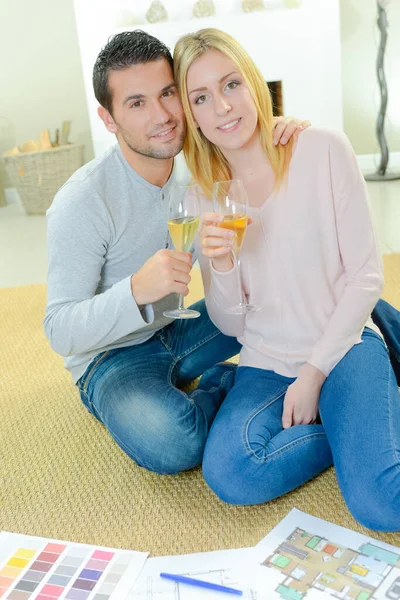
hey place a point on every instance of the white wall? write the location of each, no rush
(41, 80)
(361, 99)
(307, 61)
(40, 70)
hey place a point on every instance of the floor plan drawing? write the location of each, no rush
(155, 588)
(302, 558)
(221, 567)
(337, 564)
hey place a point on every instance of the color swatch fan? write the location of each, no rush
(33, 568)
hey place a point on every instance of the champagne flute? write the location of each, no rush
(230, 200)
(183, 222)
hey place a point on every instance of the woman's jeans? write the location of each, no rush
(133, 392)
(249, 458)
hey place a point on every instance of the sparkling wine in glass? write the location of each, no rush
(183, 222)
(230, 201)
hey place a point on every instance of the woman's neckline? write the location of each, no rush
(276, 193)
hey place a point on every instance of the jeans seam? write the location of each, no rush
(224, 377)
(246, 428)
(190, 350)
(275, 452)
(393, 351)
(170, 371)
(292, 444)
(89, 375)
(190, 398)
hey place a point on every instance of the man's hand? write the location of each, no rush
(165, 273)
(300, 406)
(286, 127)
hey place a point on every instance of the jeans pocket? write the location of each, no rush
(84, 381)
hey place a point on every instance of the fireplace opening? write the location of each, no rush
(275, 88)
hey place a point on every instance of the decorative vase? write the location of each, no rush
(292, 3)
(156, 12)
(204, 8)
(252, 5)
(382, 174)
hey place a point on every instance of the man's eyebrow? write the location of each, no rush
(141, 96)
(134, 97)
(168, 87)
(204, 89)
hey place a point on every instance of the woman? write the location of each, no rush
(314, 383)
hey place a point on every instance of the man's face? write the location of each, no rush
(147, 113)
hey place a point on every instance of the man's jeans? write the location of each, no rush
(250, 459)
(132, 391)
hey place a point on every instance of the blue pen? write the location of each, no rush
(201, 583)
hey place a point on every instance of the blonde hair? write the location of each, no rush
(204, 159)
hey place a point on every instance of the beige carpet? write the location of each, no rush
(62, 476)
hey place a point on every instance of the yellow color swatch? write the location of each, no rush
(25, 553)
(17, 562)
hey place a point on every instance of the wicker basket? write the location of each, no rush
(7, 141)
(3, 185)
(37, 176)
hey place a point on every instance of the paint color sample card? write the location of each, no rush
(33, 568)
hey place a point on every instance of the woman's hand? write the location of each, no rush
(286, 127)
(217, 242)
(300, 406)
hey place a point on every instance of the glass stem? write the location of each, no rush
(239, 278)
(180, 306)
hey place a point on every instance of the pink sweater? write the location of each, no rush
(310, 259)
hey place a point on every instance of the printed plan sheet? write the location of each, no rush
(305, 558)
(302, 558)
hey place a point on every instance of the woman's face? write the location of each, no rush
(221, 102)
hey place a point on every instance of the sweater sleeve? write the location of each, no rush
(221, 291)
(78, 318)
(360, 256)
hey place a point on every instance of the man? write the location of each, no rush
(111, 275)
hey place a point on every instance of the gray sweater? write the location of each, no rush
(102, 226)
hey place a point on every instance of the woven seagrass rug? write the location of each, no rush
(62, 475)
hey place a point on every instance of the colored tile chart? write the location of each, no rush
(33, 568)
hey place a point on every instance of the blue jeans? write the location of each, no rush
(387, 318)
(249, 458)
(134, 392)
